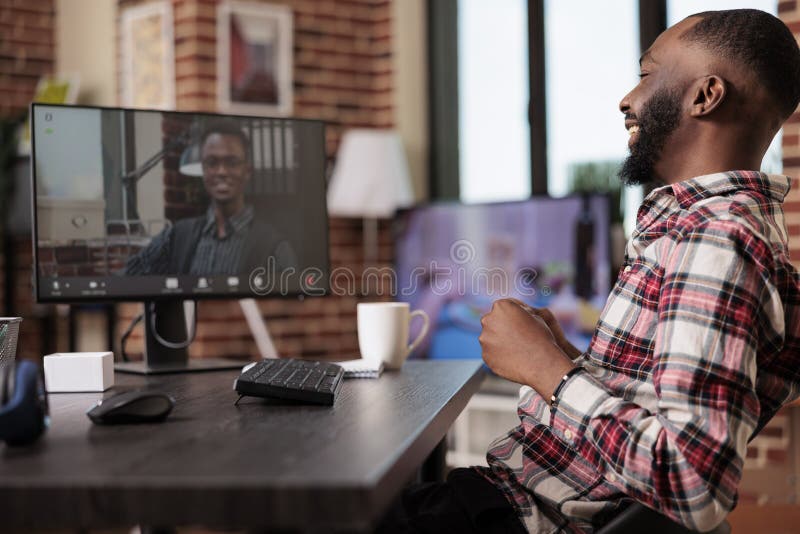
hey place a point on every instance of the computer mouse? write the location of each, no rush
(140, 406)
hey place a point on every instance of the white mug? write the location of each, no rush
(383, 332)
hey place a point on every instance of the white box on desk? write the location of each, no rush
(72, 372)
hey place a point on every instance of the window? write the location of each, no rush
(591, 64)
(480, 130)
(494, 136)
(591, 60)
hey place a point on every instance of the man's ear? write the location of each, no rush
(708, 95)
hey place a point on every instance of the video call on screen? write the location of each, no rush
(133, 203)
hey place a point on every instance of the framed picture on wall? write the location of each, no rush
(148, 56)
(254, 59)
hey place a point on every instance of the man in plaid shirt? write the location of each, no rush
(699, 342)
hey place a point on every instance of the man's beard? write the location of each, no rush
(659, 118)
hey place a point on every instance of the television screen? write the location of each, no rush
(454, 260)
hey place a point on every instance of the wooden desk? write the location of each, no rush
(256, 465)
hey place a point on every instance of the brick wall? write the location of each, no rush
(789, 12)
(770, 468)
(342, 75)
(27, 35)
(184, 196)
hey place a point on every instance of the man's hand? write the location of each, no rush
(558, 334)
(519, 346)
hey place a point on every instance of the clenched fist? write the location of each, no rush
(518, 345)
(552, 323)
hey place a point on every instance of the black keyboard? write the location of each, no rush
(300, 380)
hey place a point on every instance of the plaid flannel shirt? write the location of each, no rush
(697, 348)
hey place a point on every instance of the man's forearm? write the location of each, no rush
(549, 368)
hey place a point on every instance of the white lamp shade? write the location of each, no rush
(190, 163)
(371, 176)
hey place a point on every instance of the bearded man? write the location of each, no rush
(698, 345)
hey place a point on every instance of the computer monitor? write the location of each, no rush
(163, 207)
(454, 260)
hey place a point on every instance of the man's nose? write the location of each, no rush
(625, 104)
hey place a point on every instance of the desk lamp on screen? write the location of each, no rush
(166, 207)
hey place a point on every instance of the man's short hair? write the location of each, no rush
(225, 127)
(759, 42)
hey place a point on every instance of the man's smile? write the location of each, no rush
(633, 132)
(222, 185)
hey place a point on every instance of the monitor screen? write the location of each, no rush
(454, 260)
(147, 205)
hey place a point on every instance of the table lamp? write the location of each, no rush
(190, 163)
(370, 180)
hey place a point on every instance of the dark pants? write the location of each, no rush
(466, 503)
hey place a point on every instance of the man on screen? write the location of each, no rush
(698, 345)
(228, 239)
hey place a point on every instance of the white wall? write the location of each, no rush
(85, 46)
(150, 189)
(410, 45)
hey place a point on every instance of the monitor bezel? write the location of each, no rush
(322, 291)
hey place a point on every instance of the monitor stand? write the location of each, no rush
(170, 323)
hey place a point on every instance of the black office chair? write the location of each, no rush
(638, 518)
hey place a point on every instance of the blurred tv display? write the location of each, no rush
(454, 260)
